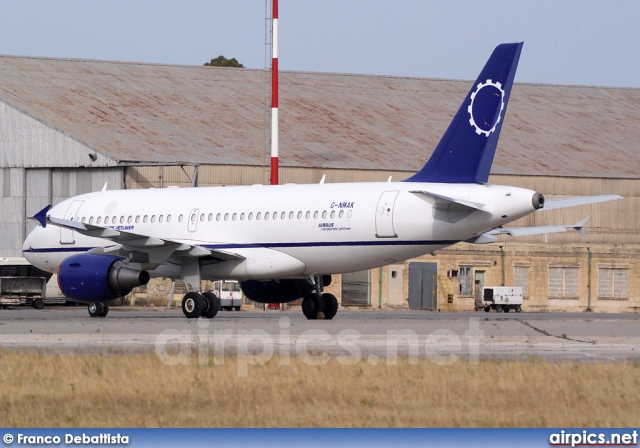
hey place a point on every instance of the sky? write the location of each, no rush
(581, 42)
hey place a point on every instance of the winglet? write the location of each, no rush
(465, 152)
(41, 216)
(579, 226)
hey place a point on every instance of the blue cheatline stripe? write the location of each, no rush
(385, 242)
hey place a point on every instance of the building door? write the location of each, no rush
(423, 287)
(384, 215)
(356, 289)
(479, 284)
(68, 236)
(193, 220)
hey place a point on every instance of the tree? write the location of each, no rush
(221, 61)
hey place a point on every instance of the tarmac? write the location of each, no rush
(369, 336)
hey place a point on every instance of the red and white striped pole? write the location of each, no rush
(274, 95)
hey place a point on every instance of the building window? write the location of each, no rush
(465, 280)
(521, 279)
(612, 283)
(563, 283)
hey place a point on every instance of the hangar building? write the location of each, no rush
(69, 126)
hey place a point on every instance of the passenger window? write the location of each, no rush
(129, 219)
(218, 216)
(99, 220)
(202, 217)
(307, 215)
(145, 218)
(180, 218)
(168, 218)
(324, 214)
(341, 214)
(82, 220)
(153, 218)
(275, 215)
(266, 216)
(299, 215)
(235, 215)
(333, 214)
(210, 218)
(258, 216)
(226, 216)
(122, 220)
(160, 218)
(349, 213)
(315, 215)
(283, 215)
(250, 216)
(242, 217)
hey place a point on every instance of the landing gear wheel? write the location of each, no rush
(98, 309)
(487, 309)
(38, 304)
(213, 303)
(94, 311)
(330, 305)
(498, 308)
(193, 305)
(310, 306)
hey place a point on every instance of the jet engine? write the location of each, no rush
(276, 291)
(89, 278)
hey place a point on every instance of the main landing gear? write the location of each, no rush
(98, 309)
(318, 302)
(195, 304)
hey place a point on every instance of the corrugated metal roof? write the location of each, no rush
(149, 113)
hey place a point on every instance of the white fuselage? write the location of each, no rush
(284, 231)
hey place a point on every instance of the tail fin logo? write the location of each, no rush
(485, 109)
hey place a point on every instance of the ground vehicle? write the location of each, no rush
(502, 298)
(23, 284)
(229, 293)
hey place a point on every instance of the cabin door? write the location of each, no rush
(67, 236)
(384, 215)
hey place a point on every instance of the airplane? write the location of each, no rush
(283, 242)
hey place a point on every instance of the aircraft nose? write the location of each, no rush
(31, 242)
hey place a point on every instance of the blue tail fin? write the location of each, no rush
(465, 152)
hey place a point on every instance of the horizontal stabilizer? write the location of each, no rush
(540, 230)
(552, 204)
(445, 200)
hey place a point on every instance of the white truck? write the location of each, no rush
(502, 298)
(229, 293)
(23, 284)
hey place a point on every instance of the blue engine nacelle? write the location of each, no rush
(90, 278)
(276, 291)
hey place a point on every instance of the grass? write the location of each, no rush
(137, 390)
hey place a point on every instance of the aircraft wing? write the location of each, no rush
(552, 204)
(489, 237)
(154, 249)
